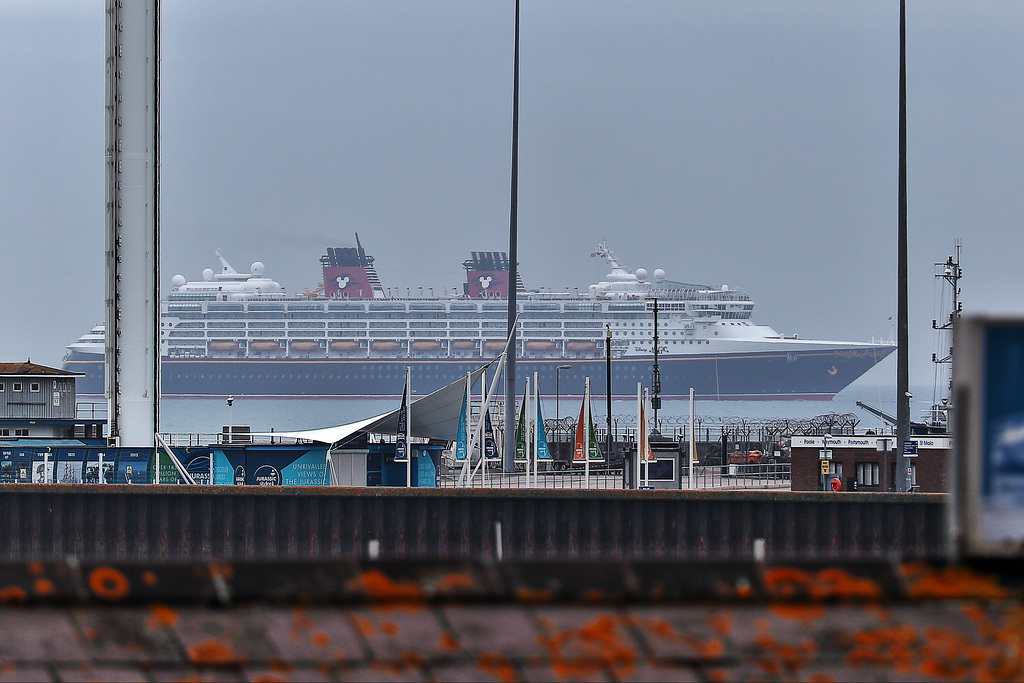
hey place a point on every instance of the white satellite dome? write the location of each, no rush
(257, 268)
(177, 281)
(641, 274)
(207, 274)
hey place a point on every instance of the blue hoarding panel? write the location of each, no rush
(15, 466)
(133, 466)
(70, 464)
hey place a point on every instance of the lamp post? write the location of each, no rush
(231, 400)
(558, 415)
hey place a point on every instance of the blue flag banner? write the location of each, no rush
(543, 452)
(461, 443)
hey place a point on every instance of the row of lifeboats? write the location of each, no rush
(389, 346)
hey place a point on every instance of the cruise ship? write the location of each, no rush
(237, 333)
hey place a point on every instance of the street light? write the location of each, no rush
(558, 415)
(231, 399)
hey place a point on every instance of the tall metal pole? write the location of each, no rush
(902, 323)
(133, 221)
(513, 271)
(656, 375)
(608, 384)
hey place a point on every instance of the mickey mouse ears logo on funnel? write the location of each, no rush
(485, 280)
(342, 280)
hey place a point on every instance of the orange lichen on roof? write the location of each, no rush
(364, 625)
(379, 587)
(925, 581)
(160, 615)
(497, 665)
(786, 582)
(44, 586)
(320, 639)
(603, 647)
(720, 623)
(798, 611)
(836, 582)
(108, 583)
(214, 653)
(449, 643)
(777, 658)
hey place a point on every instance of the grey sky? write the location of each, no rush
(748, 143)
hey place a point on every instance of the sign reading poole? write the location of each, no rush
(988, 404)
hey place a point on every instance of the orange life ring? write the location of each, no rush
(836, 484)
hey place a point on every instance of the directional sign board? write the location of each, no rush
(988, 462)
(909, 449)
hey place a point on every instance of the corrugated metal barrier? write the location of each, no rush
(285, 523)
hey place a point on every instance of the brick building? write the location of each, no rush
(867, 463)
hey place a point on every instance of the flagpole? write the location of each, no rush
(536, 426)
(639, 433)
(647, 463)
(693, 443)
(408, 427)
(586, 427)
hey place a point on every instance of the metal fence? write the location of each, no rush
(742, 477)
(605, 480)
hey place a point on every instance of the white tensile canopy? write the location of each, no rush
(435, 416)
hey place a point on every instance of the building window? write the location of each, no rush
(2, 386)
(867, 473)
(16, 386)
(5, 432)
(21, 432)
(34, 386)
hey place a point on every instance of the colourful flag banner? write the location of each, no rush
(490, 444)
(521, 430)
(579, 451)
(593, 451)
(543, 452)
(402, 442)
(461, 441)
(646, 454)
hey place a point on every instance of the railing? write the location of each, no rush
(772, 476)
(91, 410)
(745, 477)
(605, 480)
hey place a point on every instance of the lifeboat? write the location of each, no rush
(422, 346)
(225, 346)
(582, 346)
(540, 346)
(495, 346)
(463, 344)
(305, 346)
(265, 346)
(344, 346)
(386, 346)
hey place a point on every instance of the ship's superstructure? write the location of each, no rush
(238, 333)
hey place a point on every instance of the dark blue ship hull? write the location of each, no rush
(765, 375)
